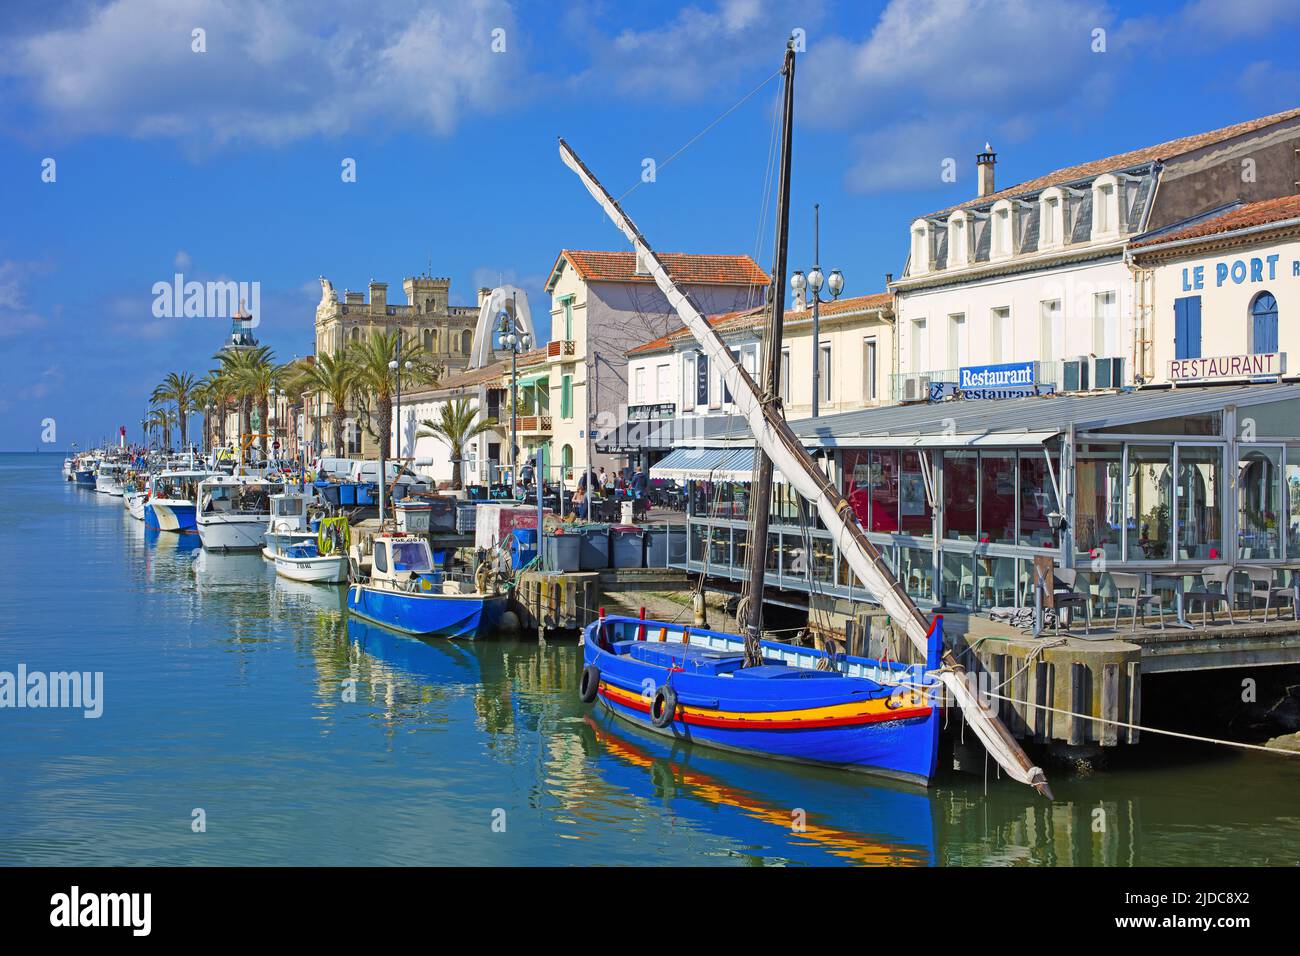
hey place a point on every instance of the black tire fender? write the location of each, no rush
(589, 684)
(663, 706)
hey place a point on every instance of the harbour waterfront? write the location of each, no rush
(226, 691)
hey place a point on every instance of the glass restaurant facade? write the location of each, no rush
(962, 495)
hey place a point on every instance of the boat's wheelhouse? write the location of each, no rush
(289, 512)
(236, 497)
(400, 558)
(177, 486)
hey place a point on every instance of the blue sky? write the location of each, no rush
(226, 164)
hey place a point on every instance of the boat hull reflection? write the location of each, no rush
(811, 816)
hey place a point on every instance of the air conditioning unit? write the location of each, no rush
(1075, 374)
(1108, 372)
(916, 388)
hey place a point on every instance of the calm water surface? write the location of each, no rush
(227, 690)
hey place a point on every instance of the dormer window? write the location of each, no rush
(1051, 225)
(959, 239)
(1002, 242)
(922, 244)
(1105, 207)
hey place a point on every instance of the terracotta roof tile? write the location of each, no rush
(1136, 157)
(756, 318)
(687, 268)
(1243, 217)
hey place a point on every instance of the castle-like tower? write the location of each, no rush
(445, 331)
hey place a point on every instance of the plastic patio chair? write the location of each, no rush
(1215, 589)
(1138, 600)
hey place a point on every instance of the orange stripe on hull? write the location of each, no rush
(837, 715)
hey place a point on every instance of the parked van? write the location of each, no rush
(397, 476)
(335, 469)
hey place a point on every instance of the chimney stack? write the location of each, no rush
(984, 163)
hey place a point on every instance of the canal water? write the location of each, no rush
(246, 720)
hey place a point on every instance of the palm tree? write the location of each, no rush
(456, 424)
(370, 358)
(251, 374)
(161, 420)
(177, 388)
(332, 376)
(221, 398)
(201, 397)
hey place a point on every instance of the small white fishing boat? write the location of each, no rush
(232, 511)
(288, 526)
(108, 480)
(304, 562)
(300, 554)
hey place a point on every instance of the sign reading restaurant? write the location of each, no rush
(1262, 365)
(1008, 380)
(1007, 375)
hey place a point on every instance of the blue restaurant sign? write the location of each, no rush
(1008, 380)
(1009, 375)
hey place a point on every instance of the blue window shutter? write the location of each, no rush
(1263, 313)
(1187, 327)
(1180, 328)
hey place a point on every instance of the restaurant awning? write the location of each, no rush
(982, 440)
(708, 464)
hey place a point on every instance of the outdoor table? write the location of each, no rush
(1176, 573)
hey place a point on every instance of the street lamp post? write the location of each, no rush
(516, 340)
(813, 282)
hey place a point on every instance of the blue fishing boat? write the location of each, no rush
(800, 704)
(172, 496)
(83, 470)
(394, 583)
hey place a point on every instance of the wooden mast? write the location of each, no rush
(773, 435)
(761, 498)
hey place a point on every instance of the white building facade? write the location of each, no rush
(1037, 278)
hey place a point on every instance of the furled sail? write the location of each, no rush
(787, 453)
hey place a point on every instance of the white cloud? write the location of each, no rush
(17, 317)
(697, 51)
(272, 72)
(182, 260)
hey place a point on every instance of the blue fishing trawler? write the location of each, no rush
(800, 704)
(172, 498)
(394, 583)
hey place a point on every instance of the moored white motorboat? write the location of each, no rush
(108, 481)
(233, 511)
(304, 562)
(288, 525)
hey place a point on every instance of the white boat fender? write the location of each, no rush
(663, 708)
(589, 684)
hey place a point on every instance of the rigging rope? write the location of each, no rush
(691, 142)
